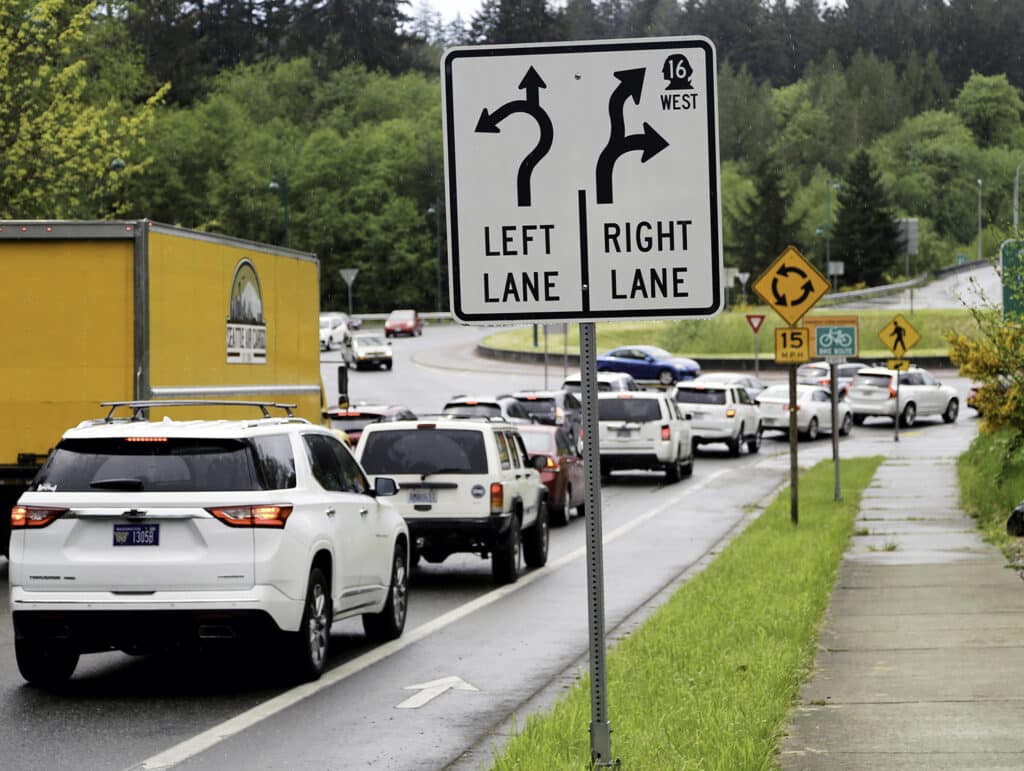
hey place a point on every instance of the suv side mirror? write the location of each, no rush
(384, 487)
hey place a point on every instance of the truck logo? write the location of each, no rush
(246, 328)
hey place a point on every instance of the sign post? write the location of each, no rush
(583, 185)
(899, 337)
(792, 286)
(755, 320)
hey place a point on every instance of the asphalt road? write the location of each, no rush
(511, 647)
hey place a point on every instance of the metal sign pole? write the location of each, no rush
(794, 468)
(833, 371)
(896, 418)
(757, 335)
(600, 729)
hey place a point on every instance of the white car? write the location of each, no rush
(720, 413)
(606, 381)
(140, 535)
(873, 393)
(366, 349)
(468, 485)
(753, 384)
(334, 327)
(813, 410)
(643, 430)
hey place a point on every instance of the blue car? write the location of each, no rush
(648, 362)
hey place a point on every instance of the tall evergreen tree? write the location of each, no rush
(866, 237)
(766, 224)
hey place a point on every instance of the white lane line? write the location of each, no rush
(218, 733)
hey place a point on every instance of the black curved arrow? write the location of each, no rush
(631, 84)
(785, 271)
(488, 123)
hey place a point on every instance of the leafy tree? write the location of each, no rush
(865, 237)
(991, 108)
(63, 156)
(514, 21)
(765, 224)
(750, 131)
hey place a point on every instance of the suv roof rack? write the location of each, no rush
(137, 406)
(450, 416)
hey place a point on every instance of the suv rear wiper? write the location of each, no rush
(426, 474)
(118, 483)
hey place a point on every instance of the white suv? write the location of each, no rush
(140, 535)
(643, 430)
(468, 485)
(873, 393)
(721, 413)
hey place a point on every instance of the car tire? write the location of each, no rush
(387, 366)
(846, 426)
(952, 410)
(909, 415)
(506, 556)
(389, 623)
(858, 420)
(310, 643)
(812, 430)
(687, 467)
(560, 515)
(736, 443)
(754, 443)
(537, 538)
(674, 471)
(45, 663)
(666, 377)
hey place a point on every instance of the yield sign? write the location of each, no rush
(755, 320)
(791, 285)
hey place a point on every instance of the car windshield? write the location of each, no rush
(401, 315)
(424, 451)
(538, 441)
(167, 465)
(700, 395)
(368, 340)
(871, 380)
(488, 410)
(632, 410)
(775, 392)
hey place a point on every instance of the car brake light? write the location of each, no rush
(550, 463)
(34, 516)
(730, 413)
(666, 433)
(252, 516)
(497, 498)
(824, 381)
(145, 438)
(892, 391)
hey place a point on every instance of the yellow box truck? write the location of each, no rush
(122, 310)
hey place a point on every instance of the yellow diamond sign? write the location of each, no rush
(898, 336)
(791, 285)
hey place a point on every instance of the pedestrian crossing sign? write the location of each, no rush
(899, 336)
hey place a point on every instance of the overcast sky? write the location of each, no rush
(451, 8)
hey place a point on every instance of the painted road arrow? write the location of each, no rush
(430, 691)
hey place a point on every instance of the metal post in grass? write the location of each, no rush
(794, 468)
(600, 728)
(834, 373)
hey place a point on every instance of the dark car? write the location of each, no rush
(403, 321)
(648, 362)
(562, 472)
(554, 408)
(504, 406)
(819, 373)
(352, 420)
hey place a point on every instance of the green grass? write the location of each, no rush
(728, 334)
(991, 488)
(709, 680)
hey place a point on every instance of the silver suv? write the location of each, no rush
(468, 485)
(644, 430)
(140, 535)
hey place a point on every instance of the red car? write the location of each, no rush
(403, 322)
(562, 472)
(354, 419)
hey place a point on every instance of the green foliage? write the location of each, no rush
(865, 236)
(991, 108)
(991, 478)
(709, 679)
(765, 224)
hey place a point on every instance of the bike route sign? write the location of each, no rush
(834, 335)
(583, 180)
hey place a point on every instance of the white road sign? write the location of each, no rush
(583, 180)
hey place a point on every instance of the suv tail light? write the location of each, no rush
(892, 390)
(252, 516)
(497, 498)
(34, 516)
(666, 433)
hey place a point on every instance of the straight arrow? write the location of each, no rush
(430, 691)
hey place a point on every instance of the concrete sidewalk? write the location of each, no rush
(920, 662)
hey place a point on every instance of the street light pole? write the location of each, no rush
(830, 185)
(283, 187)
(979, 220)
(435, 210)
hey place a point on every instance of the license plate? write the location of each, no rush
(423, 496)
(625, 432)
(137, 535)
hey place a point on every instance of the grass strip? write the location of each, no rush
(707, 682)
(991, 486)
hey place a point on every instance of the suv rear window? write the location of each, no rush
(537, 407)
(168, 465)
(700, 396)
(633, 410)
(871, 380)
(424, 451)
(473, 410)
